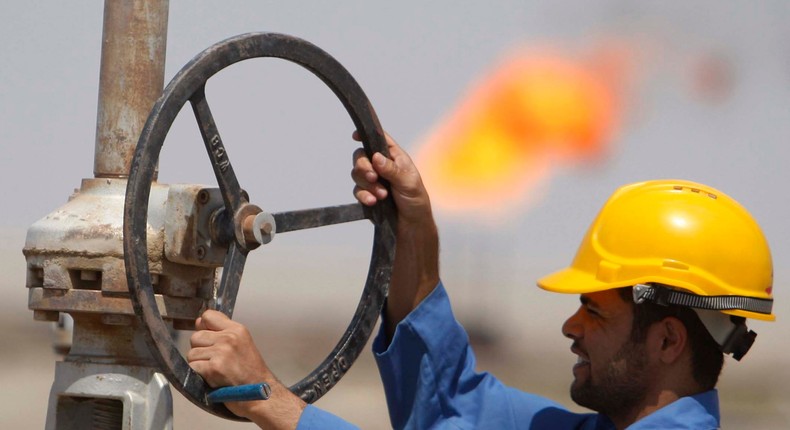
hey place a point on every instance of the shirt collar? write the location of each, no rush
(692, 412)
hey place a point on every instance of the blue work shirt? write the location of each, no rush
(429, 377)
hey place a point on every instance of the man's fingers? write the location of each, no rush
(366, 197)
(359, 153)
(210, 372)
(199, 354)
(202, 338)
(368, 189)
(199, 360)
(398, 169)
(214, 320)
(363, 169)
(201, 367)
(391, 144)
(365, 190)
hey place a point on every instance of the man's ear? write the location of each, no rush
(671, 338)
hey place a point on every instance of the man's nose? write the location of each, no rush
(572, 327)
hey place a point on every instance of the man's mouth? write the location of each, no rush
(581, 358)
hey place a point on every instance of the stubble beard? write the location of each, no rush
(621, 388)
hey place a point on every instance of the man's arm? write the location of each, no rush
(416, 267)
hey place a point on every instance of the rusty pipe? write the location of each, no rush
(131, 78)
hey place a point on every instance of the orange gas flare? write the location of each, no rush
(502, 140)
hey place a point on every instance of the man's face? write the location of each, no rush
(611, 374)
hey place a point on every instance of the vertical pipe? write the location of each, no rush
(130, 80)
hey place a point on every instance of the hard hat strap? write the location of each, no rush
(667, 296)
(730, 332)
(740, 341)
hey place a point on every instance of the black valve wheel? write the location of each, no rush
(189, 85)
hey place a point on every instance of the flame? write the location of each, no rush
(490, 154)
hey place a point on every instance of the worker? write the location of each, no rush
(667, 275)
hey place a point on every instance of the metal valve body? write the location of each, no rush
(75, 254)
(75, 266)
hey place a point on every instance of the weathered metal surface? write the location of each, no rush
(311, 218)
(108, 396)
(188, 85)
(79, 247)
(120, 342)
(130, 80)
(189, 214)
(97, 302)
(230, 280)
(90, 224)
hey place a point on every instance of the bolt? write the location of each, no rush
(203, 197)
(201, 252)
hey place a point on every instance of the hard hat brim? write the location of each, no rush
(573, 281)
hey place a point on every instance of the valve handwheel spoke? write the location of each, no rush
(231, 195)
(320, 217)
(189, 86)
(223, 170)
(230, 280)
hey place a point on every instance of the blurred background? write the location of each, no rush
(522, 115)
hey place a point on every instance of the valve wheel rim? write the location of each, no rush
(188, 81)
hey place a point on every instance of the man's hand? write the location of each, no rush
(415, 272)
(408, 191)
(224, 354)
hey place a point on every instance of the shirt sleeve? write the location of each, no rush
(429, 377)
(314, 418)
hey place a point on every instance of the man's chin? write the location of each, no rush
(580, 383)
(581, 394)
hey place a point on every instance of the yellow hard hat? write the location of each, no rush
(685, 235)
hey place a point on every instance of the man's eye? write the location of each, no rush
(593, 312)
